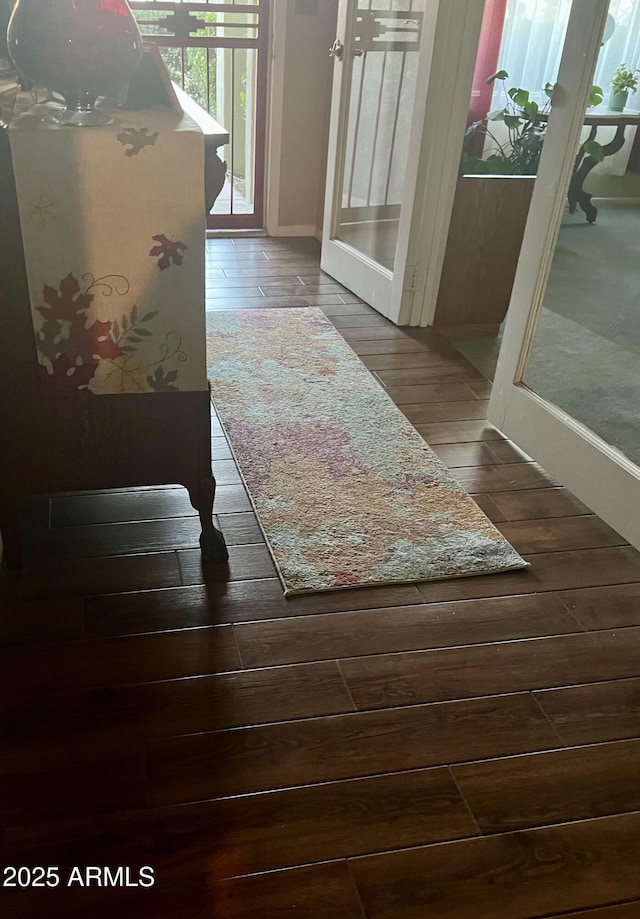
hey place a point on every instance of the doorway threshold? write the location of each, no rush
(235, 234)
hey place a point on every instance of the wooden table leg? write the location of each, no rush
(584, 164)
(212, 544)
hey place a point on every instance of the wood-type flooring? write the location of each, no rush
(462, 749)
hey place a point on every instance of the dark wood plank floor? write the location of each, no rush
(464, 749)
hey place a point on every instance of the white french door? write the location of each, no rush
(567, 382)
(390, 139)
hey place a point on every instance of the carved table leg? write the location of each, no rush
(584, 165)
(212, 544)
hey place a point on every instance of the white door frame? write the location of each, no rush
(450, 80)
(273, 141)
(447, 59)
(597, 473)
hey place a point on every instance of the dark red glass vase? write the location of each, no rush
(81, 49)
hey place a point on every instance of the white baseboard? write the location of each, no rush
(297, 230)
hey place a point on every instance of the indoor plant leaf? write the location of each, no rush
(499, 75)
(519, 96)
(593, 149)
(512, 121)
(596, 95)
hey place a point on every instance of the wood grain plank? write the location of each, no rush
(314, 295)
(307, 276)
(397, 347)
(388, 332)
(346, 307)
(597, 712)
(617, 911)
(481, 388)
(531, 505)
(49, 785)
(245, 562)
(280, 272)
(494, 479)
(259, 260)
(373, 320)
(303, 825)
(380, 631)
(557, 787)
(32, 621)
(241, 258)
(173, 706)
(246, 760)
(548, 571)
(423, 361)
(455, 455)
(486, 504)
(508, 452)
(425, 393)
(263, 832)
(136, 537)
(350, 297)
(434, 412)
(117, 661)
(254, 303)
(317, 892)
(604, 607)
(331, 304)
(229, 294)
(79, 577)
(237, 601)
(438, 373)
(458, 432)
(330, 291)
(139, 504)
(519, 875)
(510, 666)
(560, 534)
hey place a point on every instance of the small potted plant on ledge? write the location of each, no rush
(623, 81)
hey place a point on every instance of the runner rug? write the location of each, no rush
(346, 491)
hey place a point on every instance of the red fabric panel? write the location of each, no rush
(486, 64)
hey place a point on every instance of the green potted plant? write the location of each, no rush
(524, 119)
(490, 211)
(526, 123)
(623, 81)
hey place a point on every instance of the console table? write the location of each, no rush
(103, 377)
(599, 117)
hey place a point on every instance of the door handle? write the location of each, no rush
(337, 49)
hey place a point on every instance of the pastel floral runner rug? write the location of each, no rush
(346, 491)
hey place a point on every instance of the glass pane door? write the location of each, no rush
(567, 386)
(392, 130)
(384, 65)
(586, 351)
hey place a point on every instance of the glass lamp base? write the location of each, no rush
(84, 117)
(85, 114)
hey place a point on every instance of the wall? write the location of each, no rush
(299, 117)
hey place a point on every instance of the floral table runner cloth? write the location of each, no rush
(113, 229)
